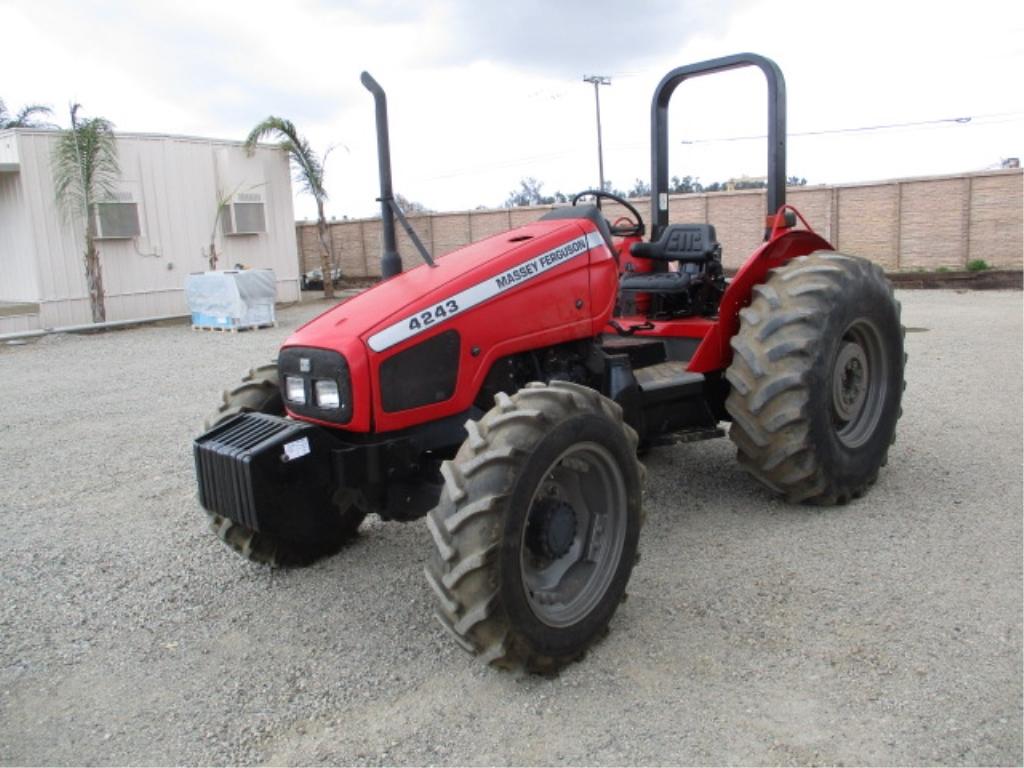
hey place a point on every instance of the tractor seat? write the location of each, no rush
(591, 212)
(656, 282)
(688, 243)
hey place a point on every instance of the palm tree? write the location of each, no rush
(24, 118)
(85, 169)
(309, 173)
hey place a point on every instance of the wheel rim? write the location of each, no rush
(574, 535)
(859, 384)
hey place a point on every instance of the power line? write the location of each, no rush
(969, 121)
(476, 170)
(977, 120)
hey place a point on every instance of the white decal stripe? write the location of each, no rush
(447, 308)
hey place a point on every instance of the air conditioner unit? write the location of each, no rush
(117, 217)
(244, 215)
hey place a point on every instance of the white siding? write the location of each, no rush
(17, 263)
(19, 323)
(8, 151)
(175, 182)
(58, 263)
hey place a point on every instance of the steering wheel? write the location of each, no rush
(633, 228)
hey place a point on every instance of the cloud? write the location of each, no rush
(569, 37)
(482, 93)
(226, 63)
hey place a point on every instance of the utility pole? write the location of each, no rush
(598, 80)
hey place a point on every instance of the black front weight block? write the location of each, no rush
(270, 474)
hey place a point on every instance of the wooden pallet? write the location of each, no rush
(232, 329)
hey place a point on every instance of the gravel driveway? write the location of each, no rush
(885, 632)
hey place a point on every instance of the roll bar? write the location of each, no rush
(776, 178)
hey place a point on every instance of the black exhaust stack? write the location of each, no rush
(390, 262)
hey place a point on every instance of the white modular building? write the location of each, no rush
(153, 232)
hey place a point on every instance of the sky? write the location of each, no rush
(482, 94)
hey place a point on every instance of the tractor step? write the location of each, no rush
(642, 351)
(689, 436)
(668, 381)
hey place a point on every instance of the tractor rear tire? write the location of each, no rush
(817, 378)
(537, 527)
(259, 392)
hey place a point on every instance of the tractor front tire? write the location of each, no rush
(259, 392)
(537, 527)
(817, 378)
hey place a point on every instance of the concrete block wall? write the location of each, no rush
(996, 219)
(903, 225)
(868, 223)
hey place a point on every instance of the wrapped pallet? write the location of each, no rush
(232, 298)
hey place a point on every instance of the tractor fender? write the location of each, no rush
(714, 352)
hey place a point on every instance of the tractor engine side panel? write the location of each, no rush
(604, 287)
(540, 297)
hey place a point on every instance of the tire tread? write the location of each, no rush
(465, 525)
(773, 368)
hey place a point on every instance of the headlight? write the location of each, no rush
(327, 395)
(295, 389)
(316, 384)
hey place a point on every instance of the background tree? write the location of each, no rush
(85, 169)
(529, 193)
(609, 186)
(530, 190)
(410, 207)
(640, 189)
(309, 174)
(25, 118)
(743, 183)
(223, 201)
(684, 186)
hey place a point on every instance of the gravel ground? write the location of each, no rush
(885, 632)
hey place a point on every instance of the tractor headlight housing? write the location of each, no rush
(316, 383)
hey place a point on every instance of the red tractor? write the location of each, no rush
(504, 390)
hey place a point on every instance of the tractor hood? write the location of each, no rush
(376, 310)
(417, 346)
